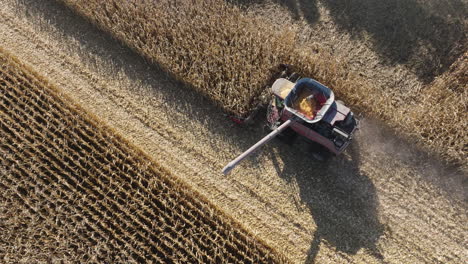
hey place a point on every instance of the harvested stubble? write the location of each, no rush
(230, 56)
(85, 195)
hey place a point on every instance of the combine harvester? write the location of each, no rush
(307, 108)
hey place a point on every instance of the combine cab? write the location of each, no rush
(309, 109)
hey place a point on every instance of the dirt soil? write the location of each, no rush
(383, 201)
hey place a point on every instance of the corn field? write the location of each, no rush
(73, 190)
(230, 56)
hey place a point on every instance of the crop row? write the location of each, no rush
(58, 155)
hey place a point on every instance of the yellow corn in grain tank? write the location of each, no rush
(306, 105)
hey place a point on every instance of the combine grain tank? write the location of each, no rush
(309, 109)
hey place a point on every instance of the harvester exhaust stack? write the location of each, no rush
(266, 139)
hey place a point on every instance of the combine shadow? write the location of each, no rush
(342, 200)
(427, 39)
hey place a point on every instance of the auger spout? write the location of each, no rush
(231, 165)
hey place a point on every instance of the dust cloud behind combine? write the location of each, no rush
(382, 140)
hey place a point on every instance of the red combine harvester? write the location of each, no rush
(307, 108)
